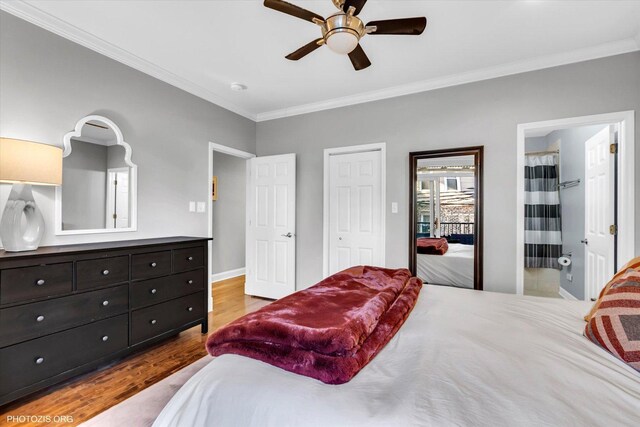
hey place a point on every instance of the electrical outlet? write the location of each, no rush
(192, 206)
(394, 207)
(201, 207)
(570, 277)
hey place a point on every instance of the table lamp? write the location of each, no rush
(23, 164)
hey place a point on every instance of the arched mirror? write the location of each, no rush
(445, 236)
(98, 192)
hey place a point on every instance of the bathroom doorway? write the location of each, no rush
(572, 213)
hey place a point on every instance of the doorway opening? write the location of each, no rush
(226, 189)
(575, 229)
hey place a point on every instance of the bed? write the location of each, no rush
(454, 268)
(462, 358)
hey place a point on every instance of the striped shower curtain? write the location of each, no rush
(542, 235)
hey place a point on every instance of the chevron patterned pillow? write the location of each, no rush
(634, 264)
(615, 326)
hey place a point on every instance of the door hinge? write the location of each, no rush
(613, 148)
(115, 216)
(613, 230)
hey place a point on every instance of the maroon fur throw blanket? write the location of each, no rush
(432, 246)
(329, 331)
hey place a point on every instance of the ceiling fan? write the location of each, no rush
(342, 32)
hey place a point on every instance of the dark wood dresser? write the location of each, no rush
(65, 310)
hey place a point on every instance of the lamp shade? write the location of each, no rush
(29, 162)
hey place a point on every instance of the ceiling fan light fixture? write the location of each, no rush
(342, 42)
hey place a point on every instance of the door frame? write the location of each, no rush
(478, 154)
(213, 147)
(625, 180)
(328, 152)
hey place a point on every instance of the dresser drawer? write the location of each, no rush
(149, 322)
(28, 363)
(154, 264)
(27, 283)
(188, 259)
(98, 273)
(34, 320)
(149, 292)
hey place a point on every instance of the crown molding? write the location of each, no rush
(55, 25)
(580, 55)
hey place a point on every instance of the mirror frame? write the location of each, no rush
(133, 226)
(478, 154)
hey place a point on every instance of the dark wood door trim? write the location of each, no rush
(478, 153)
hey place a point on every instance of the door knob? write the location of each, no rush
(585, 241)
(288, 235)
(339, 238)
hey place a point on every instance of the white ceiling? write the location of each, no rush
(204, 46)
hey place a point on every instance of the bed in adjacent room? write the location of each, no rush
(462, 358)
(453, 268)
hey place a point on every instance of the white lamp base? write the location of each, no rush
(22, 224)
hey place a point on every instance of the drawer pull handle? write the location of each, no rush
(40, 318)
(190, 282)
(105, 272)
(105, 303)
(40, 282)
(190, 309)
(39, 360)
(190, 258)
(153, 321)
(105, 338)
(154, 290)
(153, 264)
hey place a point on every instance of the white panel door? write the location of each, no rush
(122, 200)
(599, 204)
(355, 204)
(117, 198)
(271, 227)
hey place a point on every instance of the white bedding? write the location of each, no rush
(454, 268)
(463, 358)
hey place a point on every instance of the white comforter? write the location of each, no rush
(463, 358)
(454, 268)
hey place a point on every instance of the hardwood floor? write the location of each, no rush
(86, 396)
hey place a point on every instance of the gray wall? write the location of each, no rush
(483, 113)
(536, 143)
(229, 213)
(572, 201)
(48, 83)
(115, 157)
(84, 185)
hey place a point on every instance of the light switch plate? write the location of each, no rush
(394, 207)
(192, 206)
(570, 277)
(201, 207)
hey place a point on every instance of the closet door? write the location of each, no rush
(355, 205)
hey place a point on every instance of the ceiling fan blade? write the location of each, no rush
(359, 59)
(358, 4)
(406, 26)
(305, 50)
(293, 10)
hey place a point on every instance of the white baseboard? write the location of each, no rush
(566, 295)
(227, 274)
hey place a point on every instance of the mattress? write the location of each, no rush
(454, 268)
(462, 358)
